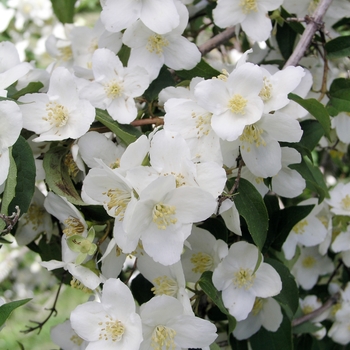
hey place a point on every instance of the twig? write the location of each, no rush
(147, 121)
(331, 301)
(217, 40)
(53, 311)
(234, 187)
(10, 221)
(313, 25)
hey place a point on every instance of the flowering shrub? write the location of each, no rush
(185, 164)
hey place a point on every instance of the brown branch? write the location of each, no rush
(314, 23)
(53, 311)
(147, 121)
(217, 40)
(10, 221)
(234, 187)
(329, 303)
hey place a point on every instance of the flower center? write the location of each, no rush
(115, 164)
(71, 165)
(34, 215)
(119, 200)
(56, 114)
(248, 6)
(74, 283)
(252, 135)
(244, 278)
(202, 262)
(163, 338)
(164, 285)
(308, 262)
(66, 53)
(266, 90)
(237, 104)
(156, 43)
(307, 309)
(203, 124)
(345, 202)
(74, 227)
(258, 305)
(299, 228)
(75, 339)
(113, 89)
(112, 329)
(164, 215)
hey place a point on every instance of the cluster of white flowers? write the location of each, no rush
(155, 193)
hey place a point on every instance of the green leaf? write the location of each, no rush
(285, 37)
(26, 172)
(312, 133)
(57, 177)
(338, 47)
(287, 218)
(289, 295)
(306, 327)
(339, 95)
(313, 177)
(64, 10)
(214, 346)
(6, 309)
(251, 207)
(208, 288)
(141, 289)
(281, 339)
(10, 189)
(296, 26)
(127, 133)
(29, 89)
(124, 54)
(316, 109)
(52, 251)
(202, 69)
(163, 80)
(216, 226)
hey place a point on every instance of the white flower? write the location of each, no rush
(339, 331)
(234, 102)
(251, 14)
(60, 114)
(159, 16)
(193, 122)
(266, 312)
(341, 123)
(94, 145)
(240, 284)
(340, 199)
(151, 50)
(288, 182)
(35, 221)
(277, 86)
(115, 87)
(165, 326)
(259, 142)
(11, 125)
(163, 217)
(309, 266)
(308, 232)
(11, 69)
(111, 324)
(204, 254)
(64, 336)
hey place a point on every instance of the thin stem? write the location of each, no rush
(148, 121)
(314, 23)
(235, 186)
(53, 311)
(217, 40)
(329, 303)
(10, 221)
